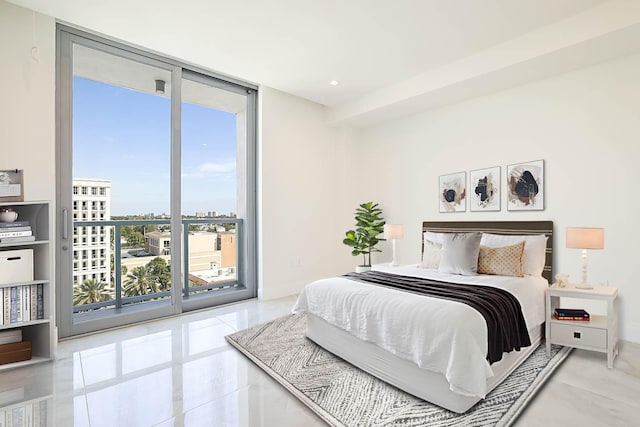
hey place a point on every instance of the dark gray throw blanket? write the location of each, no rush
(506, 327)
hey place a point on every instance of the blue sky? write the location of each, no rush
(124, 136)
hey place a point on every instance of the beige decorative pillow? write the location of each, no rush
(503, 261)
(431, 255)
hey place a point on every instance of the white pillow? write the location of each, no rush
(535, 249)
(460, 254)
(434, 237)
(431, 255)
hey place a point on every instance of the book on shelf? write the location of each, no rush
(18, 239)
(17, 413)
(33, 302)
(14, 316)
(582, 319)
(40, 301)
(22, 303)
(14, 229)
(25, 303)
(11, 233)
(571, 312)
(10, 336)
(6, 306)
(28, 414)
(31, 414)
(14, 224)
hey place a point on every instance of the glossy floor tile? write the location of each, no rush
(180, 371)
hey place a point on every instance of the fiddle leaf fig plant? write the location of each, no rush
(364, 238)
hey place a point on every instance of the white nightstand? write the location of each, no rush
(600, 333)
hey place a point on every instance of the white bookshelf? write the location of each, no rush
(40, 332)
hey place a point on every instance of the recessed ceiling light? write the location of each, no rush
(334, 83)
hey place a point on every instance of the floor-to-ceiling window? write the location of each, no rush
(156, 186)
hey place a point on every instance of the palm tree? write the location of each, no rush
(160, 273)
(90, 291)
(139, 281)
(123, 269)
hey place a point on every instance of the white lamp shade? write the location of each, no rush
(393, 231)
(585, 238)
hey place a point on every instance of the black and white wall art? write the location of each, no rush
(484, 189)
(453, 192)
(525, 186)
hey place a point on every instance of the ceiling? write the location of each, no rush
(370, 46)
(122, 72)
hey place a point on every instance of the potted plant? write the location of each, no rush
(363, 240)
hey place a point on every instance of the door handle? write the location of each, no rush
(65, 225)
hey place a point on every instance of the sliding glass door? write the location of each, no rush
(156, 184)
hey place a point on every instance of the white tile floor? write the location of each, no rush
(180, 371)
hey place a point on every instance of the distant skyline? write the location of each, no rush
(124, 136)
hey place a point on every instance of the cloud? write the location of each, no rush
(217, 167)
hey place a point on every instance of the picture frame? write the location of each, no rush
(525, 186)
(11, 185)
(453, 192)
(484, 190)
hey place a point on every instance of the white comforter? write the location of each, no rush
(438, 335)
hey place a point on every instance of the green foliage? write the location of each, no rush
(90, 291)
(134, 236)
(160, 272)
(151, 278)
(139, 282)
(148, 228)
(369, 225)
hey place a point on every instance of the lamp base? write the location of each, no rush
(583, 286)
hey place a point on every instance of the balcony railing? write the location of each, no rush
(187, 289)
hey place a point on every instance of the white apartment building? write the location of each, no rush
(91, 245)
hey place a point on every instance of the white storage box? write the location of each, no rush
(16, 266)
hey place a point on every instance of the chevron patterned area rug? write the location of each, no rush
(344, 395)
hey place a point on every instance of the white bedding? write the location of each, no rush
(413, 327)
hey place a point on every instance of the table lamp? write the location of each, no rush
(585, 238)
(394, 232)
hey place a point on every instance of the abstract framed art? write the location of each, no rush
(525, 186)
(484, 188)
(453, 192)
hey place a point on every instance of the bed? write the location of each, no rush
(436, 349)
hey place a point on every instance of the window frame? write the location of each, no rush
(66, 37)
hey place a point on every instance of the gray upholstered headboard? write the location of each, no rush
(500, 227)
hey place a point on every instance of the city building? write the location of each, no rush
(157, 243)
(226, 243)
(91, 244)
(213, 253)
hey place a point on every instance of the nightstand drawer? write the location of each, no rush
(575, 335)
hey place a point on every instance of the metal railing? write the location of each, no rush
(119, 301)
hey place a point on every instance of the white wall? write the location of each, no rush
(584, 124)
(304, 189)
(27, 100)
